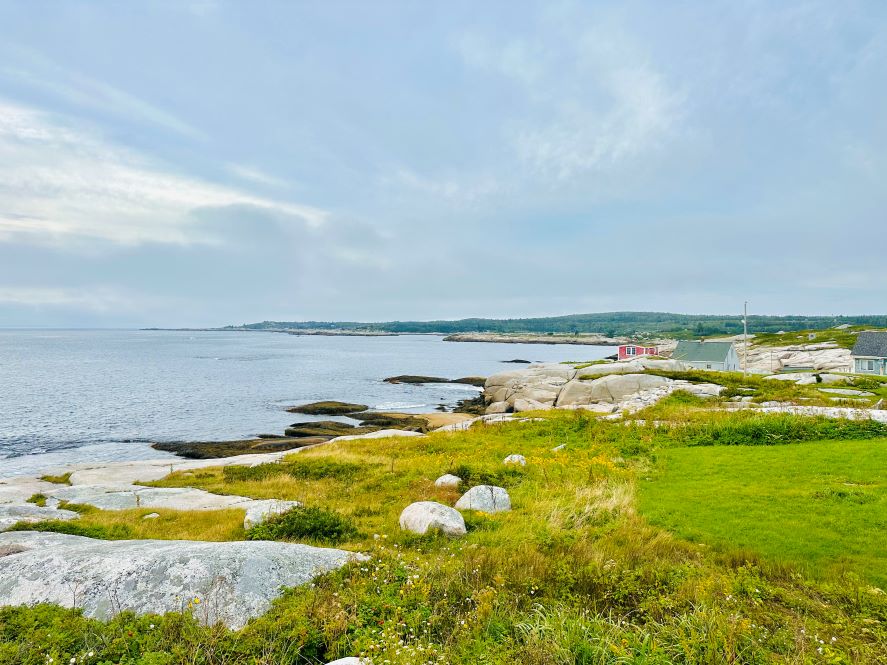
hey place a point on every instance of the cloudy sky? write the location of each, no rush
(202, 163)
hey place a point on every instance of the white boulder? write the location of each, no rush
(485, 499)
(515, 459)
(448, 480)
(424, 516)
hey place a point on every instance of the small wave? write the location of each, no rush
(392, 406)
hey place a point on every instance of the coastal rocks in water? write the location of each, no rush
(414, 379)
(328, 408)
(448, 480)
(515, 459)
(262, 509)
(612, 388)
(485, 499)
(30, 513)
(326, 428)
(518, 361)
(393, 420)
(217, 449)
(424, 516)
(235, 581)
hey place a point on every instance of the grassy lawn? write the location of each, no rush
(820, 505)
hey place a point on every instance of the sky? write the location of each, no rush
(206, 163)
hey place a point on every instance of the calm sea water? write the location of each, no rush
(69, 396)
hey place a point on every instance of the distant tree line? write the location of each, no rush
(612, 324)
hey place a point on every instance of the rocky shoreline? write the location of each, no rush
(588, 339)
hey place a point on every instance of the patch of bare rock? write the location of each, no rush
(235, 581)
(604, 387)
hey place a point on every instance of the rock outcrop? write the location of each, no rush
(234, 581)
(603, 387)
(424, 516)
(821, 356)
(611, 389)
(485, 499)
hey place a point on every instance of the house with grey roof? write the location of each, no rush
(870, 353)
(720, 356)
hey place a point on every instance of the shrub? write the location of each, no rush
(506, 477)
(38, 499)
(64, 479)
(300, 523)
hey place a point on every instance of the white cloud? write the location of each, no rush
(256, 175)
(35, 70)
(58, 183)
(591, 98)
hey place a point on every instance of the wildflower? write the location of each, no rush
(197, 601)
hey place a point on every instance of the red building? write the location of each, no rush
(628, 351)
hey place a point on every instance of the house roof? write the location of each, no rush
(708, 352)
(871, 344)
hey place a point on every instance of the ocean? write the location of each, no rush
(95, 395)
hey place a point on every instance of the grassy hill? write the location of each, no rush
(607, 323)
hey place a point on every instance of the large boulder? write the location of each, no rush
(234, 581)
(424, 516)
(611, 389)
(485, 499)
(537, 384)
(515, 459)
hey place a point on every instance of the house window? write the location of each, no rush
(870, 365)
(708, 366)
(630, 351)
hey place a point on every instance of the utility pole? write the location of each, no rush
(745, 340)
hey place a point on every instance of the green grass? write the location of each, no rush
(63, 479)
(845, 337)
(821, 506)
(573, 575)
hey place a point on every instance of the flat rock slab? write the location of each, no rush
(10, 515)
(149, 470)
(122, 497)
(234, 581)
